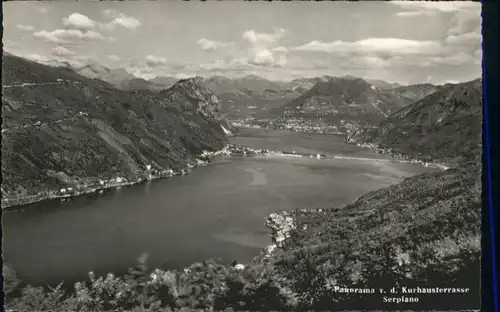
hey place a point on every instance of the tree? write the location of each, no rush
(138, 279)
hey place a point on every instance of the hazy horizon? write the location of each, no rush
(398, 42)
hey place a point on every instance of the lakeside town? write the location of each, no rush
(297, 124)
(88, 185)
(271, 158)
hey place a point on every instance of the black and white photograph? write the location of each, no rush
(241, 156)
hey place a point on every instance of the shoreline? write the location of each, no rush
(284, 222)
(97, 185)
(281, 224)
(402, 158)
(399, 158)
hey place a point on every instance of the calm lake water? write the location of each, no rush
(217, 211)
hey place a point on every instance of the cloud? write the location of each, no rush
(263, 38)
(382, 57)
(209, 45)
(263, 62)
(414, 13)
(79, 21)
(161, 67)
(144, 72)
(281, 61)
(114, 58)
(37, 58)
(263, 47)
(35, 5)
(149, 73)
(478, 54)
(373, 62)
(127, 22)
(463, 22)
(80, 27)
(154, 61)
(263, 57)
(352, 63)
(235, 64)
(66, 35)
(266, 58)
(367, 63)
(82, 60)
(25, 27)
(437, 6)
(120, 19)
(464, 29)
(317, 64)
(433, 8)
(460, 42)
(215, 65)
(374, 45)
(471, 38)
(409, 62)
(62, 51)
(478, 57)
(280, 49)
(180, 66)
(9, 44)
(64, 59)
(456, 59)
(109, 13)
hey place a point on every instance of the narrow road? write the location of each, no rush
(39, 123)
(378, 108)
(33, 84)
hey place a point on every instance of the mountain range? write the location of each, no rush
(416, 92)
(252, 95)
(332, 99)
(338, 104)
(118, 77)
(444, 126)
(62, 130)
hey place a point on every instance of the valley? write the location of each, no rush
(353, 175)
(218, 209)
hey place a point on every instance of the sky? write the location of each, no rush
(398, 41)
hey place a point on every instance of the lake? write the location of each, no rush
(217, 211)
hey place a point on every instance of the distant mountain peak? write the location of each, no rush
(252, 76)
(349, 77)
(191, 82)
(334, 85)
(338, 104)
(192, 94)
(219, 77)
(95, 67)
(193, 89)
(121, 71)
